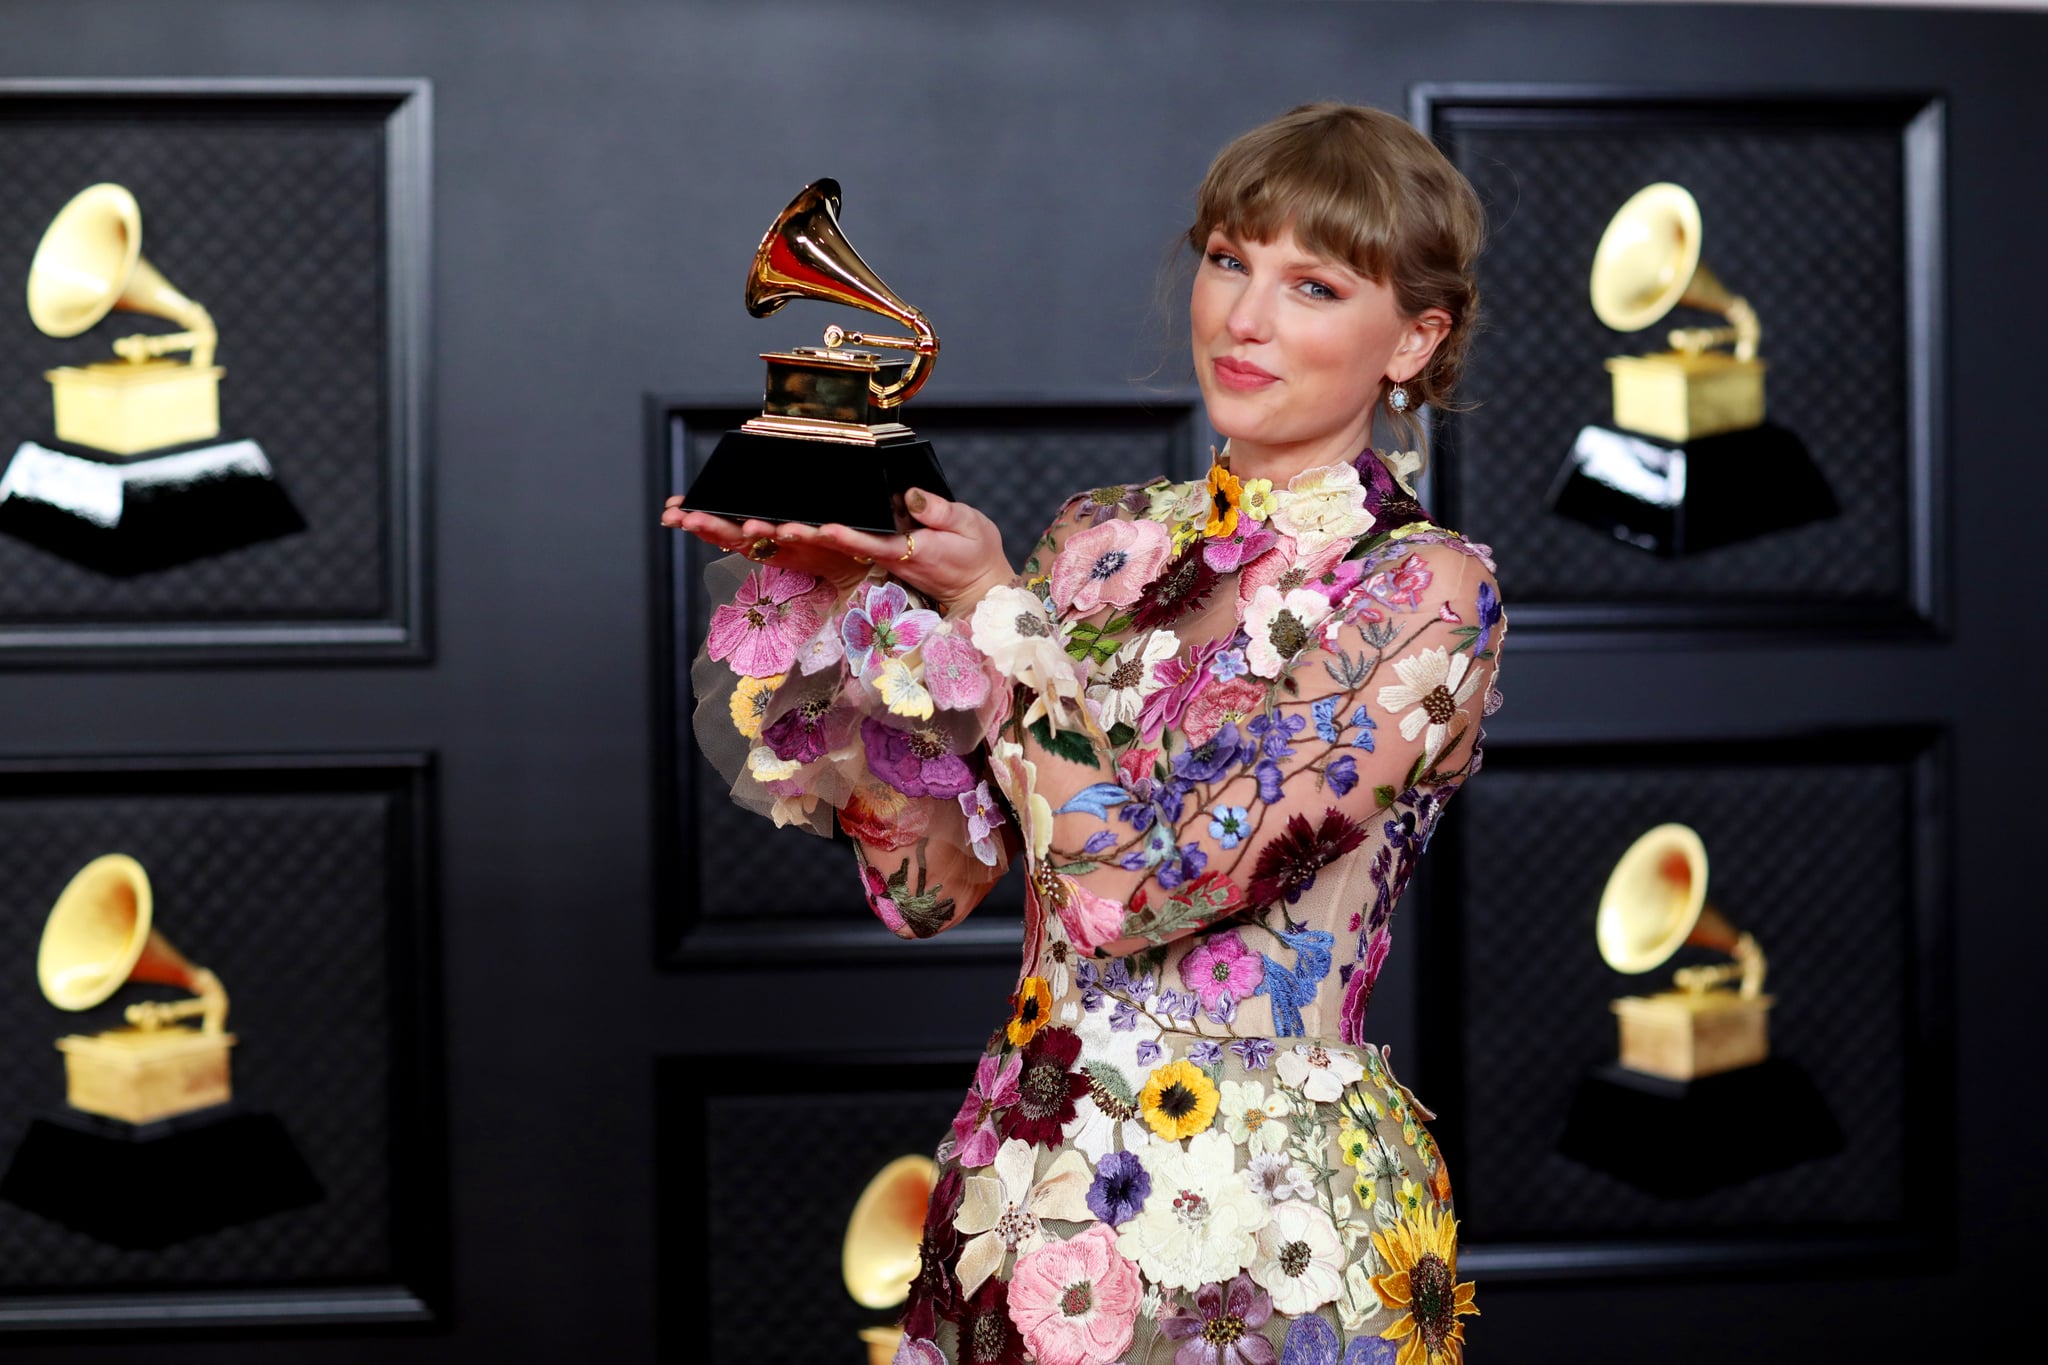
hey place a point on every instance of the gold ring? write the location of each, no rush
(909, 548)
(763, 549)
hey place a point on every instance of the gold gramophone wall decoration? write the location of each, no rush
(1690, 463)
(100, 936)
(1655, 902)
(880, 1256)
(827, 445)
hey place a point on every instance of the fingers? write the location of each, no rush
(847, 541)
(931, 510)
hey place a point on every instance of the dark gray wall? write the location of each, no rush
(602, 171)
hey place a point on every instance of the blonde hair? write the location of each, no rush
(1360, 186)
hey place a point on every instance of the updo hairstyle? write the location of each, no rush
(1362, 187)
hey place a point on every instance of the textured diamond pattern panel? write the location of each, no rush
(284, 893)
(1808, 224)
(274, 220)
(1814, 859)
(1017, 465)
(773, 1265)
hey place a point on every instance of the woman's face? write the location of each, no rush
(1291, 349)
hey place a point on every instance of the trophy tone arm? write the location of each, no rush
(925, 348)
(210, 1004)
(199, 336)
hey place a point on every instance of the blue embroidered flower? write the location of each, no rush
(1228, 825)
(1255, 1053)
(1366, 725)
(1310, 1341)
(1273, 732)
(1229, 664)
(1325, 713)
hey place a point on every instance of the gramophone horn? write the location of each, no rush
(90, 263)
(1648, 263)
(1655, 903)
(99, 937)
(805, 256)
(880, 1255)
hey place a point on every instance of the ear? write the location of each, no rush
(1426, 331)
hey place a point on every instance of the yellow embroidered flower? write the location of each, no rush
(901, 691)
(1178, 1101)
(1421, 1282)
(1367, 1188)
(1186, 534)
(1258, 501)
(749, 704)
(766, 767)
(1030, 1007)
(1354, 1144)
(1409, 1197)
(1359, 1109)
(1413, 528)
(1224, 494)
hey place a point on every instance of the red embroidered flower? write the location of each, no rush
(1048, 1088)
(1181, 587)
(987, 1336)
(1288, 864)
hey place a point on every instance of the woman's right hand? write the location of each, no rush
(954, 555)
(839, 569)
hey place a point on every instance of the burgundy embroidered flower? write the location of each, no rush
(935, 1292)
(1223, 1328)
(879, 899)
(760, 631)
(974, 1127)
(1110, 562)
(866, 819)
(810, 729)
(1047, 1089)
(987, 1336)
(918, 762)
(1288, 864)
(1182, 587)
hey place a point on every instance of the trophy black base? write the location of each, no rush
(783, 478)
(145, 1186)
(1677, 499)
(128, 515)
(1681, 1139)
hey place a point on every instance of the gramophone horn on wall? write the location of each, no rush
(1690, 462)
(134, 478)
(879, 1258)
(1654, 904)
(827, 446)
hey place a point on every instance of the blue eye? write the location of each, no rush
(1316, 289)
(1225, 260)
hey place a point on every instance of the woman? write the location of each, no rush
(1218, 721)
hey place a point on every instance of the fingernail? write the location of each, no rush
(915, 500)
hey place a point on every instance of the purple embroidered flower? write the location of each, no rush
(1101, 841)
(1274, 731)
(1222, 968)
(1123, 1017)
(917, 1351)
(1177, 1005)
(1489, 616)
(883, 627)
(1310, 1341)
(984, 814)
(1121, 1186)
(953, 672)
(1371, 1351)
(916, 762)
(1223, 1327)
(768, 620)
(1208, 1052)
(1149, 1052)
(1183, 865)
(810, 729)
(1228, 664)
(1270, 785)
(1210, 760)
(1342, 775)
(1255, 1053)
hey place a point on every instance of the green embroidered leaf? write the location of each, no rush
(1214, 1071)
(1121, 734)
(1080, 869)
(1067, 744)
(1384, 795)
(1421, 766)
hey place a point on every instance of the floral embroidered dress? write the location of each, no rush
(1218, 721)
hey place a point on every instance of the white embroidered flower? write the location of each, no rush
(901, 689)
(1016, 634)
(823, 651)
(1322, 506)
(1281, 626)
(1255, 1119)
(1436, 683)
(1123, 682)
(1300, 1259)
(794, 810)
(1153, 1303)
(1350, 1226)
(1175, 504)
(1018, 777)
(1110, 1058)
(1005, 1211)
(1200, 1224)
(1404, 465)
(766, 767)
(1272, 1177)
(1319, 1072)
(1359, 1305)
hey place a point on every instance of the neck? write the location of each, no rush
(1279, 463)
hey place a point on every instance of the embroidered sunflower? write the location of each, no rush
(1031, 1006)
(1178, 1101)
(749, 704)
(1225, 494)
(1421, 1253)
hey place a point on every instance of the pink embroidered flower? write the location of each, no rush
(918, 762)
(1110, 562)
(1222, 968)
(953, 672)
(1090, 920)
(1402, 586)
(1237, 700)
(880, 901)
(883, 626)
(1287, 567)
(1358, 990)
(1281, 627)
(1076, 1302)
(771, 617)
(1181, 681)
(974, 1127)
(1240, 547)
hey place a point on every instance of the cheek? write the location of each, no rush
(1208, 309)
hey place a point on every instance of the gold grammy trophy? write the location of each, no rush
(101, 936)
(826, 446)
(1656, 903)
(1690, 462)
(135, 478)
(880, 1256)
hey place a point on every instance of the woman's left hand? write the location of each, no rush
(954, 556)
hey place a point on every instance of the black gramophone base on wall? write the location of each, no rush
(784, 478)
(1677, 1139)
(128, 515)
(145, 1186)
(1676, 499)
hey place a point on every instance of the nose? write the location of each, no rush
(1251, 315)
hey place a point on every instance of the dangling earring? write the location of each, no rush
(1397, 399)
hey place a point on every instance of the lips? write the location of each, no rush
(1242, 374)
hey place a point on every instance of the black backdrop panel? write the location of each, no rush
(742, 886)
(275, 212)
(751, 1256)
(299, 886)
(1808, 210)
(1821, 849)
